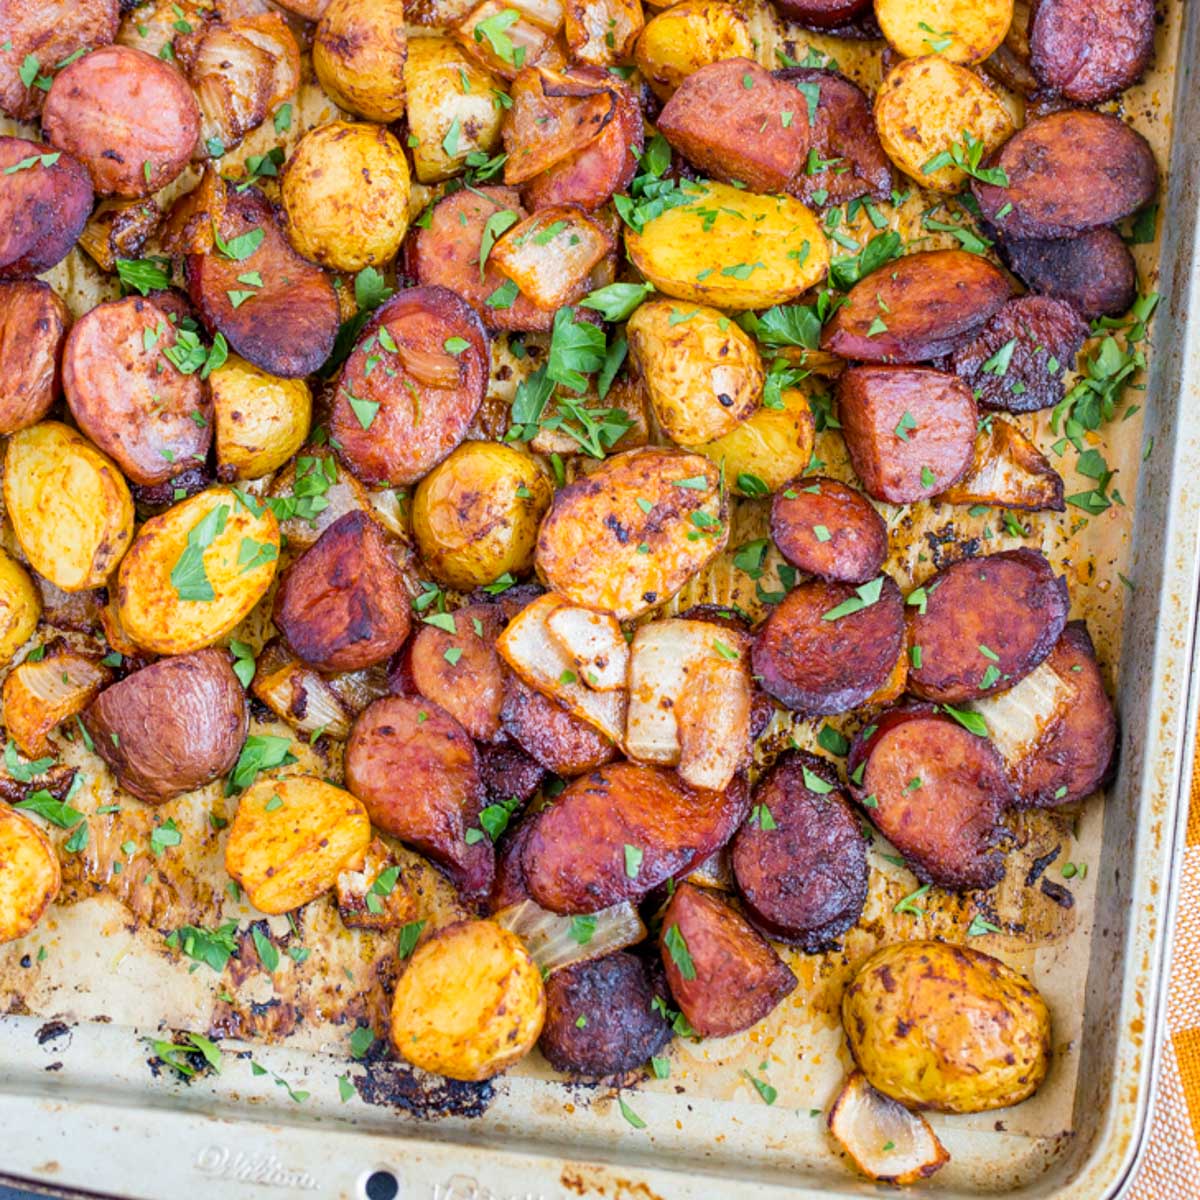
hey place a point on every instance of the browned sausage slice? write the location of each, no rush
(600, 1017)
(1094, 272)
(621, 831)
(131, 119)
(917, 308)
(827, 647)
(800, 860)
(49, 32)
(821, 14)
(1068, 172)
(829, 529)
(723, 975)
(1017, 360)
(342, 604)
(910, 431)
(414, 767)
(128, 395)
(936, 792)
(551, 735)
(45, 201)
(404, 400)
(508, 773)
(734, 121)
(844, 135)
(982, 624)
(286, 325)
(508, 882)
(172, 726)
(33, 324)
(1090, 50)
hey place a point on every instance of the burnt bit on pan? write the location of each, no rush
(389, 1084)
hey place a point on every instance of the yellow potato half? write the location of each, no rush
(358, 55)
(261, 420)
(686, 37)
(20, 606)
(964, 31)
(29, 874)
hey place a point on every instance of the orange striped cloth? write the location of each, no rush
(1170, 1164)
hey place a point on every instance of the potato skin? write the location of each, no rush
(358, 54)
(1090, 51)
(34, 321)
(172, 726)
(855, 541)
(973, 28)
(686, 37)
(475, 515)
(470, 1002)
(737, 978)
(946, 1028)
(261, 420)
(773, 444)
(20, 606)
(31, 877)
(69, 505)
(287, 854)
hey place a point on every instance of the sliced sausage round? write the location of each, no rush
(801, 866)
(600, 1018)
(982, 624)
(287, 325)
(1090, 50)
(829, 529)
(828, 647)
(33, 325)
(130, 118)
(404, 400)
(910, 431)
(845, 131)
(129, 397)
(1017, 360)
(1067, 172)
(45, 201)
(918, 308)
(551, 735)
(508, 773)
(936, 791)
(508, 882)
(821, 14)
(1094, 272)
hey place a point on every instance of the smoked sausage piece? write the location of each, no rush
(1090, 50)
(33, 325)
(1094, 272)
(821, 14)
(828, 529)
(550, 735)
(45, 201)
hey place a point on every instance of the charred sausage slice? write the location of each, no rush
(800, 860)
(576, 859)
(982, 624)
(936, 792)
(508, 882)
(288, 325)
(403, 400)
(550, 735)
(828, 647)
(1068, 172)
(128, 117)
(724, 976)
(1017, 360)
(829, 529)
(1090, 50)
(917, 308)
(128, 395)
(1094, 272)
(508, 773)
(45, 201)
(33, 325)
(910, 431)
(415, 768)
(822, 14)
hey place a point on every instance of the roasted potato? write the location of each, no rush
(261, 420)
(470, 1002)
(686, 37)
(476, 514)
(964, 31)
(20, 607)
(773, 445)
(602, 32)
(195, 571)
(33, 324)
(704, 374)
(29, 874)
(291, 839)
(927, 106)
(345, 195)
(38, 696)
(757, 251)
(447, 89)
(69, 505)
(946, 1028)
(358, 53)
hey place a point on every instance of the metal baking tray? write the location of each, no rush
(87, 1111)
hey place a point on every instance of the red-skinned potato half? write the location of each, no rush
(33, 324)
(724, 976)
(416, 770)
(342, 605)
(621, 831)
(936, 791)
(397, 422)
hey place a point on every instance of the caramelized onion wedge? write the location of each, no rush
(556, 941)
(887, 1142)
(299, 694)
(41, 695)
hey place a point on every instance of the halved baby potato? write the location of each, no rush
(470, 1004)
(195, 571)
(29, 874)
(964, 31)
(69, 505)
(686, 37)
(20, 606)
(358, 54)
(292, 838)
(261, 419)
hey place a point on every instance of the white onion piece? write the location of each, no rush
(1018, 718)
(40, 695)
(553, 941)
(595, 643)
(299, 695)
